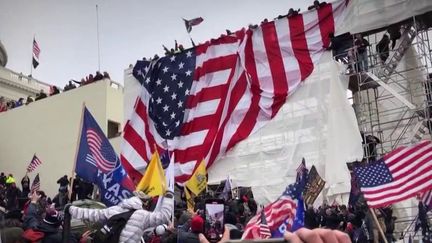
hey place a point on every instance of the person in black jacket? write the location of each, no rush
(12, 194)
(50, 227)
(63, 190)
(25, 185)
(383, 48)
(3, 179)
(41, 95)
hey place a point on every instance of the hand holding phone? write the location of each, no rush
(214, 219)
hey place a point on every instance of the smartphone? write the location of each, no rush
(214, 219)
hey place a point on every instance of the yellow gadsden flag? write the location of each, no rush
(198, 182)
(153, 182)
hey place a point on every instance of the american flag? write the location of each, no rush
(280, 212)
(101, 152)
(36, 52)
(301, 170)
(264, 228)
(36, 184)
(192, 22)
(205, 100)
(35, 162)
(397, 176)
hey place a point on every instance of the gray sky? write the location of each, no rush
(129, 30)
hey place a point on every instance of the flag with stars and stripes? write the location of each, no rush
(36, 52)
(264, 229)
(35, 186)
(98, 163)
(35, 162)
(399, 175)
(280, 215)
(206, 99)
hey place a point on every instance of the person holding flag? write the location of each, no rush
(153, 183)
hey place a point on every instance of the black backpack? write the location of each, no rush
(110, 231)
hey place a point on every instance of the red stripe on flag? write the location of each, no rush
(299, 45)
(141, 111)
(132, 172)
(198, 124)
(210, 93)
(326, 23)
(132, 137)
(275, 60)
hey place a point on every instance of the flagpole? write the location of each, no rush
(378, 225)
(97, 33)
(77, 150)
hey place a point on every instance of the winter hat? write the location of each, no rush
(160, 229)
(197, 224)
(141, 195)
(52, 217)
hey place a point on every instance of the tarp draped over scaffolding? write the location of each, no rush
(366, 15)
(317, 123)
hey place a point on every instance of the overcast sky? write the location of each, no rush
(129, 30)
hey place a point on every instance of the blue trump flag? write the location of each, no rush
(98, 163)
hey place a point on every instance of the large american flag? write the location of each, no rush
(201, 102)
(35, 162)
(399, 175)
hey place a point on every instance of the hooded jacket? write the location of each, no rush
(139, 221)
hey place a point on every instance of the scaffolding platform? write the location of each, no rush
(361, 81)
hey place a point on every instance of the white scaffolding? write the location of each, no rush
(392, 99)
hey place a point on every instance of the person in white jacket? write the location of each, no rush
(140, 220)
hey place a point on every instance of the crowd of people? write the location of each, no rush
(6, 105)
(26, 215)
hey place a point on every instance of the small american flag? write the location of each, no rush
(399, 175)
(203, 101)
(36, 184)
(35, 162)
(36, 52)
(264, 228)
(301, 170)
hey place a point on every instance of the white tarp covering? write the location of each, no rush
(316, 123)
(365, 15)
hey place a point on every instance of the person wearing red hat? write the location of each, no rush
(192, 235)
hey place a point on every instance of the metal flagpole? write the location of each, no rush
(77, 150)
(97, 33)
(378, 225)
